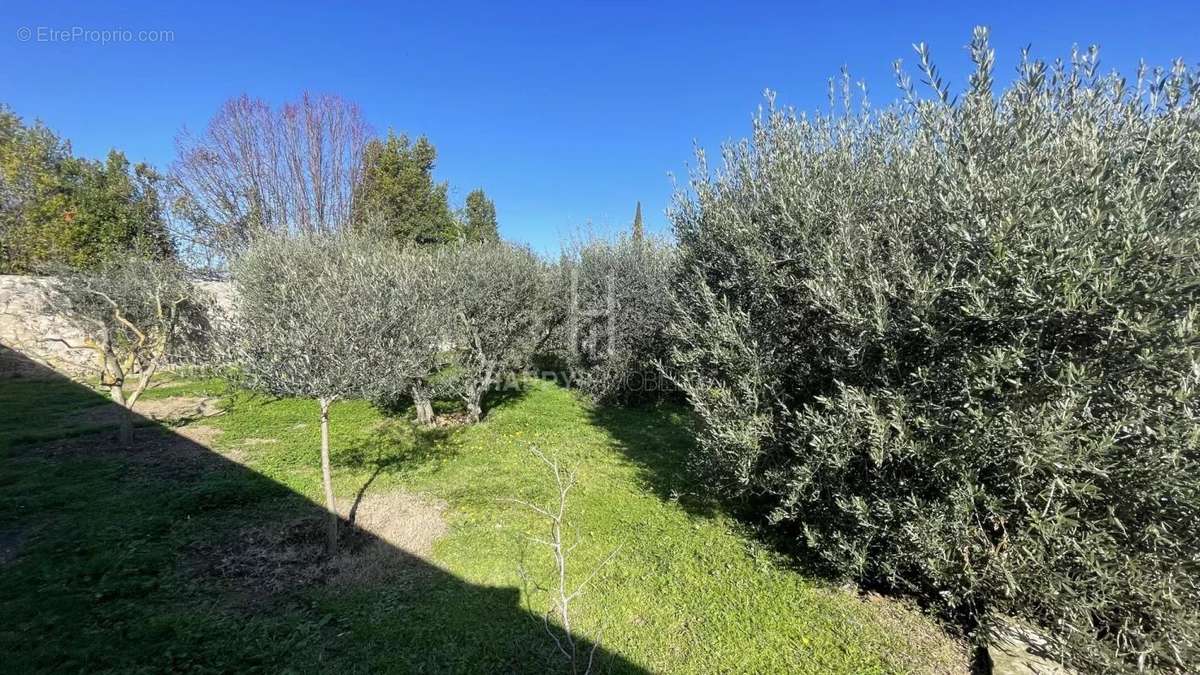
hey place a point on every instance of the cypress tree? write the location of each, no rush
(398, 196)
(480, 218)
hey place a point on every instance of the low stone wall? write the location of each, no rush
(38, 335)
(30, 329)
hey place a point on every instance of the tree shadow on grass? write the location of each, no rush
(503, 396)
(395, 449)
(658, 439)
(167, 556)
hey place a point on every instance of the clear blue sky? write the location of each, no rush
(566, 113)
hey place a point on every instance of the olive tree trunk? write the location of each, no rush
(327, 479)
(423, 406)
(474, 394)
(112, 375)
(473, 398)
(124, 415)
(474, 410)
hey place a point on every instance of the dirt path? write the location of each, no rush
(172, 410)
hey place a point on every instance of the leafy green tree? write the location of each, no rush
(398, 197)
(479, 218)
(56, 209)
(115, 206)
(30, 157)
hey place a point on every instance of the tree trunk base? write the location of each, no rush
(424, 413)
(125, 427)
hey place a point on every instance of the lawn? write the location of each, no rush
(194, 550)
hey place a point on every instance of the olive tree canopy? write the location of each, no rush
(497, 311)
(950, 345)
(328, 317)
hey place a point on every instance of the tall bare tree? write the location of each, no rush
(261, 169)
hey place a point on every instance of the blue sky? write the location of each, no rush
(566, 113)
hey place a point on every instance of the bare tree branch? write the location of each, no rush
(256, 169)
(561, 594)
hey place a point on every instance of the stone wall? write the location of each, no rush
(29, 328)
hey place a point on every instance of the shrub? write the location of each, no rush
(616, 298)
(951, 347)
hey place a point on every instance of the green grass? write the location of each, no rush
(102, 582)
(33, 411)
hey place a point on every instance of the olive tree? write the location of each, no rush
(496, 310)
(136, 311)
(950, 346)
(329, 317)
(431, 326)
(615, 295)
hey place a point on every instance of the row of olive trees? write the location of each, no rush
(948, 346)
(338, 316)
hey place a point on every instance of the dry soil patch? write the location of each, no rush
(171, 410)
(391, 541)
(402, 528)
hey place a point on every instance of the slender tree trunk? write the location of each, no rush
(327, 479)
(125, 431)
(116, 390)
(144, 380)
